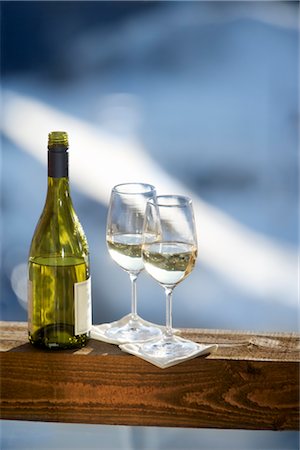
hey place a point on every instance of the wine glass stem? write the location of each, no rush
(133, 278)
(169, 292)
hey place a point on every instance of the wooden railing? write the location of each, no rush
(250, 382)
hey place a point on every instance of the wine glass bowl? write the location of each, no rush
(169, 252)
(124, 237)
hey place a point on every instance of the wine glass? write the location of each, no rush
(124, 234)
(169, 253)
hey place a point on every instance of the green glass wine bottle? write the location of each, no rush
(59, 284)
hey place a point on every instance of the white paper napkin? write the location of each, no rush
(98, 331)
(164, 362)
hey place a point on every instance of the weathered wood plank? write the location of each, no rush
(250, 382)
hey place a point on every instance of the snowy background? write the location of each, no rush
(199, 98)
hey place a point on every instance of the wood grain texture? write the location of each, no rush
(250, 382)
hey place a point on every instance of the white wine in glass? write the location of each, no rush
(124, 237)
(169, 262)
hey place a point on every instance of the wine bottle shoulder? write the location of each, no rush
(59, 232)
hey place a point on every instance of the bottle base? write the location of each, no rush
(57, 337)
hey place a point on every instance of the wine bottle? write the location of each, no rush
(59, 283)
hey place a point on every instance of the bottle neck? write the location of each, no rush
(58, 180)
(58, 191)
(58, 163)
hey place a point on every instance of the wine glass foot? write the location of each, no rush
(133, 330)
(169, 347)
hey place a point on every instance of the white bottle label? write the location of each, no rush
(29, 305)
(83, 306)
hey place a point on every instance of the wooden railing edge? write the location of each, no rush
(250, 382)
